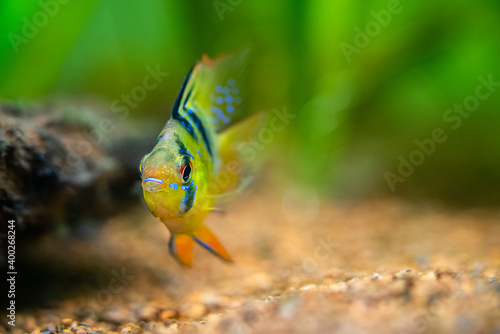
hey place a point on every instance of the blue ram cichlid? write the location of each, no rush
(181, 175)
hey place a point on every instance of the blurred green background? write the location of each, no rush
(365, 80)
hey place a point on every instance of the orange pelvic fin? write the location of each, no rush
(207, 239)
(181, 248)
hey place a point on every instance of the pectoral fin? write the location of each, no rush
(207, 239)
(181, 248)
(235, 168)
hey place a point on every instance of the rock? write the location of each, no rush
(167, 315)
(66, 321)
(403, 274)
(193, 311)
(444, 271)
(132, 329)
(52, 169)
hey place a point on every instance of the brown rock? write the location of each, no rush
(66, 321)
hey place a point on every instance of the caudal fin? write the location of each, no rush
(181, 248)
(207, 239)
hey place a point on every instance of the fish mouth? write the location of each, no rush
(153, 184)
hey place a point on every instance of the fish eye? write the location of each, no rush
(186, 168)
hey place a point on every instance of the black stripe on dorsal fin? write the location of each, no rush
(177, 103)
(176, 109)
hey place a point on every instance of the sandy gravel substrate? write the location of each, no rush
(301, 266)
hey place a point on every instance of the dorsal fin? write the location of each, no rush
(214, 90)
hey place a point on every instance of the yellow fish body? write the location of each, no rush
(181, 176)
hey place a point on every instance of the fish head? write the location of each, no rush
(171, 183)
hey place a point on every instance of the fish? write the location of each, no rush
(195, 161)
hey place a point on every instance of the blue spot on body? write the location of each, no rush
(230, 109)
(188, 127)
(173, 186)
(220, 114)
(199, 153)
(230, 82)
(213, 109)
(229, 99)
(237, 100)
(186, 187)
(218, 89)
(225, 90)
(234, 90)
(219, 100)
